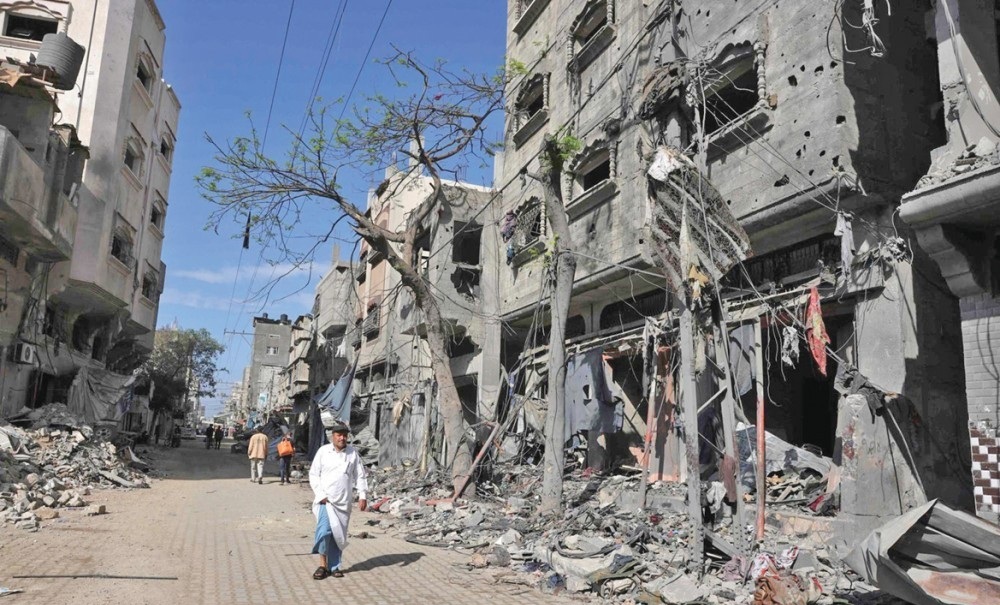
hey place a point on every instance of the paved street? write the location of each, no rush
(205, 534)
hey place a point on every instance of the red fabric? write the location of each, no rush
(816, 331)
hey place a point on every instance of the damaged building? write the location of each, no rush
(394, 382)
(811, 145)
(82, 308)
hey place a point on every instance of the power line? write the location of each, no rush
(277, 77)
(364, 61)
(338, 19)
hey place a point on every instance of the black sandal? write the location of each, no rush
(337, 573)
(321, 573)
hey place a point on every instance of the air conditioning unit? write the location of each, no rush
(24, 353)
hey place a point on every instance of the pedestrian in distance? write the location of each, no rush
(257, 451)
(218, 436)
(209, 436)
(285, 452)
(335, 473)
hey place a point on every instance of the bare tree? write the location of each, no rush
(562, 266)
(441, 126)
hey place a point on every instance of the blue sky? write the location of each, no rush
(221, 58)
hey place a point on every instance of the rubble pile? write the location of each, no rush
(605, 544)
(55, 463)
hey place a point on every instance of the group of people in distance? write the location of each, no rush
(213, 436)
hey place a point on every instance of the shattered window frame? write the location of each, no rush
(133, 156)
(121, 246)
(733, 91)
(36, 27)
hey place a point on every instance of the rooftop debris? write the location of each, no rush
(54, 462)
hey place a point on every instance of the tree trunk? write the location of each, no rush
(458, 457)
(565, 272)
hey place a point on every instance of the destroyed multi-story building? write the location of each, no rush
(955, 212)
(394, 379)
(811, 145)
(333, 313)
(92, 302)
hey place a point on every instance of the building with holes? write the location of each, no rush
(393, 381)
(811, 130)
(98, 307)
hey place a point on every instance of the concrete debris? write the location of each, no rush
(54, 462)
(94, 510)
(976, 156)
(604, 544)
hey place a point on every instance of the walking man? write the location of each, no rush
(257, 451)
(218, 437)
(285, 452)
(336, 471)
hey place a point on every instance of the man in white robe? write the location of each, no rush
(335, 473)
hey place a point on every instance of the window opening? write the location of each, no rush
(272, 350)
(29, 28)
(133, 157)
(149, 281)
(166, 150)
(575, 326)
(736, 96)
(461, 346)
(121, 248)
(597, 173)
(596, 18)
(156, 217)
(466, 281)
(144, 75)
(466, 243)
(629, 311)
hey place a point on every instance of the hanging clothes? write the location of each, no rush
(586, 393)
(508, 225)
(845, 231)
(816, 331)
(510, 253)
(789, 346)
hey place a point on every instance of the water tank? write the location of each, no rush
(61, 54)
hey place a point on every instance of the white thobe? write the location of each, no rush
(334, 475)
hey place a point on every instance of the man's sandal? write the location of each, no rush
(321, 573)
(337, 573)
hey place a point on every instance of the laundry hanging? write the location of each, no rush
(816, 331)
(845, 231)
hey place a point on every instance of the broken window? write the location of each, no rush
(156, 215)
(598, 171)
(590, 22)
(166, 149)
(133, 156)
(82, 330)
(591, 33)
(29, 28)
(732, 94)
(121, 247)
(466, 243)
(466, 281)
(531, 107)
(150, 281)
(272, 350)
(575, 326)
(461, 346)
(144, 74)
(625, 312)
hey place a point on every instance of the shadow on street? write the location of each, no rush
(401, 559)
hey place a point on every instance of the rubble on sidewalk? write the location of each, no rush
(604, 544)
(54, 462)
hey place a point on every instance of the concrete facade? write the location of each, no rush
(272, 339)
(955, 212)
(797, 129)
(100, 304)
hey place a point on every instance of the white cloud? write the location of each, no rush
(263, 273)
(197, 300)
